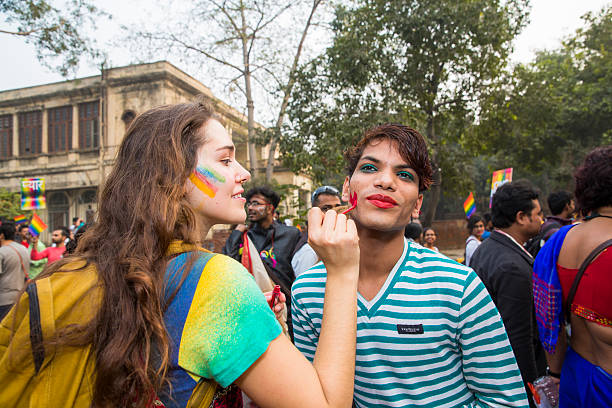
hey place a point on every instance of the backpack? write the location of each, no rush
(33, 374)
(536, 243)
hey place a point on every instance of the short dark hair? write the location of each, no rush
(594, 180)
(65, 231)
(329, 190)
(557, 201)
(509, 199)
(75, 219)
(20, 227)
(472, 221)
(413, 230)
(486, 217)
(410, 144)
(7, 228)
(271, 195)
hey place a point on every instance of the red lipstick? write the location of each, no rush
(381, 201)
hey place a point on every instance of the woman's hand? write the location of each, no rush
(334, 238)
(279, 306)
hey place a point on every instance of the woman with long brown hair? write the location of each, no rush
(141, 312)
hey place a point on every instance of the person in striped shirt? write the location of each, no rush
(428, 333)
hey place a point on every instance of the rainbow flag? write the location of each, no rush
(37, 225)
(20, 219)
(469, 205)
(499, 177)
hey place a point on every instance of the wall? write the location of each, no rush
(451, 234)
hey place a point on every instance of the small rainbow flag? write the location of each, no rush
(499, 177)
(37, 225)
(469, 205)
(20, 219)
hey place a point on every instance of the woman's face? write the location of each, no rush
(478, 229)
(429, 237)
(214, 188)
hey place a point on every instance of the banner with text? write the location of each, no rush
(33, 194)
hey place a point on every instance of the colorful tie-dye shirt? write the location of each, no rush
(218, 321)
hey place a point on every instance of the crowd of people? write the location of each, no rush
(361, 310)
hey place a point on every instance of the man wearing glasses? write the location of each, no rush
(326, 198)
(275, 243)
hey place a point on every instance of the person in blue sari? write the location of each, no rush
(583, 367)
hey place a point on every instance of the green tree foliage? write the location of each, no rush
(56, 34)
(10, 204)
(545, 116)
(424, 63)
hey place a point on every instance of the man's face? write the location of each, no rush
(532, 222)
(571, 208)
(57, 237)
(328, 202)
(387, 188)
(259, 209)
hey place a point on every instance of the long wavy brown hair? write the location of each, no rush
(141, 209)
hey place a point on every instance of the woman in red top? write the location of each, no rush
(586, 366)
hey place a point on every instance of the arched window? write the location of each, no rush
(57, 207)
(87, 197)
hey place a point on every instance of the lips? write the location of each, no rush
(381, 201)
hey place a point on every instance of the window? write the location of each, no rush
(6, 136)
(57, 207)
(60, 129)
(89, 125)
(88, 197)
(30, 133)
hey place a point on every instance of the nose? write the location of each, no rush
(384, 179)
(242, 175)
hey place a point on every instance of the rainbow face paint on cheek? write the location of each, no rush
(205, 179)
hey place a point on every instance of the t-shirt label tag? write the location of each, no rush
(410, 329)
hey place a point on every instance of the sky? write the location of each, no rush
(550, 22)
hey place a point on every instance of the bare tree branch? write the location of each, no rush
(205, 53)
(287, 93)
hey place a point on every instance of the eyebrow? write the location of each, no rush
(377, 161)
(229, 147)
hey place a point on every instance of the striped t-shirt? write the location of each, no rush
(431, 337)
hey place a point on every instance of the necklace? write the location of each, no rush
(596, 215)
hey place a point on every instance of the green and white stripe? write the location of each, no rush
(462, 358)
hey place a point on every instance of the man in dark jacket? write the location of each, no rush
(505, 267)
(276, 242)
(562, 207)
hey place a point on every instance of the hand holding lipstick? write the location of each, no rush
(279, 301)
(334, 238)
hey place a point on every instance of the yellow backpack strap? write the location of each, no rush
(203, 394)
(178, 247)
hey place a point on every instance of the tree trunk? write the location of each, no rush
(249, 97)
(436, 187)
(287, 94)
(434, 196)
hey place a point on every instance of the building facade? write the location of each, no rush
(68, 132)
